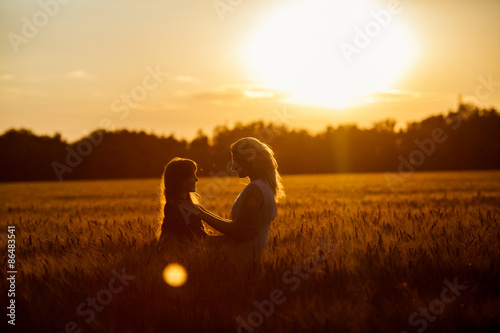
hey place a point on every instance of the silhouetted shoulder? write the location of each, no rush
(253, 194)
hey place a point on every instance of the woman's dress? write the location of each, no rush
(245, 251)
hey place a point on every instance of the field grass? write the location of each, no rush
(387, 271)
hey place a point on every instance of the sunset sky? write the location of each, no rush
(167, 66)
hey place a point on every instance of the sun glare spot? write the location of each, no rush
(298, 50)
(175, 275)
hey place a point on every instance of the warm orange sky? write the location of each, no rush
(82, 64)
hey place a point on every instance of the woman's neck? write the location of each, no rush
(253, 176)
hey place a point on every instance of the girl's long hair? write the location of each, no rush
(261, 156)
(175, 172)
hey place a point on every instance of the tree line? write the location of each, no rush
(464, 139)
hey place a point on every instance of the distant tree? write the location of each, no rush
(469, 138)
(25, 156)
(202, 152)
(126, 154)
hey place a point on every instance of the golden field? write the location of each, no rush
(395, 255)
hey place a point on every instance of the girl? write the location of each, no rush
(179, 227)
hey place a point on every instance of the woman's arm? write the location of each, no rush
(243, 227)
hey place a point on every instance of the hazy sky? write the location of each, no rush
(168, 66)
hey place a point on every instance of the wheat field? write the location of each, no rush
(87, 260)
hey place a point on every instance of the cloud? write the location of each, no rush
(186, 79)
(6, 77)
(397, 95)
(260, 93)
(79, 74)
(218, 95)
(231, 94)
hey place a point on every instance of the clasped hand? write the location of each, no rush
(192, 207)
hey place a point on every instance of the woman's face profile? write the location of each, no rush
(240, 166)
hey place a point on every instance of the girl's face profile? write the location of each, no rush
(189, 184)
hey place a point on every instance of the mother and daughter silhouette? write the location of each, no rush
(244, 235)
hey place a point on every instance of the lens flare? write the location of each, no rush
(175, 275)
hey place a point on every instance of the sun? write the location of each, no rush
(333, 54)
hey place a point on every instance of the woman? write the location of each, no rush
(255, 207)
(180, 227)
